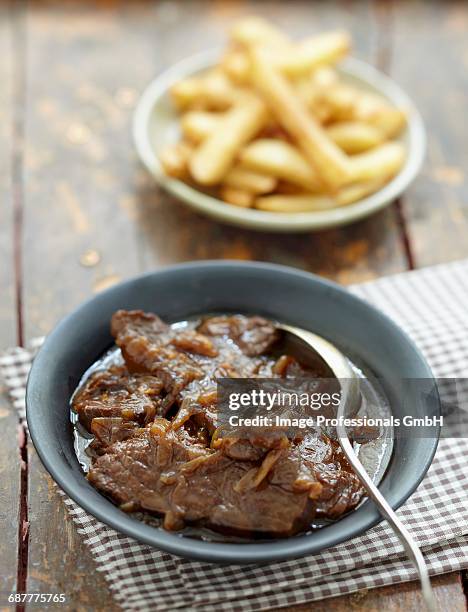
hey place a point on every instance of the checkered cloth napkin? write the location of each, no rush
(432, 306)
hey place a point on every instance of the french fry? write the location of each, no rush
(340, 100)
(281, 160)
(346, 103)
(324, 77)
(355, 136)
(291, 113)
(294, 203)
(217, 91)
(257, 31)
(248, 180)
(358, 191)
(213, 158)
(313, 202)
(367, 104)
(198, 125)
(382, 162)
(236, 65)
(174, 159)
(212, 91)
(296, 62)
(184, 92)
(320, 50)
(311, 89)
(390, 121)
(238, 197)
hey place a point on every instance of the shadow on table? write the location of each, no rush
(172, 232)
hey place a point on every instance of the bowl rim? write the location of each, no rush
(256, 552)
(269, 221)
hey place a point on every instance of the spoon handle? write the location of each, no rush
(350, 396)
(411, 548)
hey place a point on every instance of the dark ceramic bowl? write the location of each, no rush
(178, 292)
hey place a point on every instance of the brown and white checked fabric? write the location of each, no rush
(432, 306)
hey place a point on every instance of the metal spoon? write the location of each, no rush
(350, 398)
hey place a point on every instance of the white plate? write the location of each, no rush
(156, 123)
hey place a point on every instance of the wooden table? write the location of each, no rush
(73, 191)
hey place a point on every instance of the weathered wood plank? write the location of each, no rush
(9, 455)
(78, 236)
(7, 277)
(448, 591)
(430, 60)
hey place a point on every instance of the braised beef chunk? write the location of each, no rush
(249, 442)
(158, 447)
(182, 357)
(168, 473)
(199, 406)
(147, 346)
(136, 323)
(142, 470)
(108, 430)
(117, 393)
(253, 335)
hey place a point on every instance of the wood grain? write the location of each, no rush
(77, 237)
(448, 592)
(10, 469)
(430, 61)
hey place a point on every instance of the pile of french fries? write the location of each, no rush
(274, 127)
